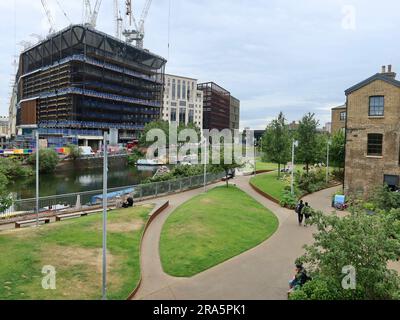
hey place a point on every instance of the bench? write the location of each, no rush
(71, 216)
(19, 224)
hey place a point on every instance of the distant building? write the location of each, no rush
(328, 127)
(293, 126)
(216, 106)
(4, 129)
(235, 114)
(373, 133)
(182, 103)
(339, 115)
(80, 83)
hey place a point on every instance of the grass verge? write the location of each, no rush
(212, 228)
(74, 248)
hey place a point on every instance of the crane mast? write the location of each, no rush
(135, 32)
(118, 20)
(49, 17)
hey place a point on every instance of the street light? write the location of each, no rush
(205, 164)
(295, 144)
(255, 157)
(105, 207)
(37, 176)
(329, 143)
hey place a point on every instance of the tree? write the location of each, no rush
(226, 165)
(164, 126)
(276, 142)
(309, 143)
(74, 151)
(5, 199)
(337, 153)
(48, 160)
(357, 245)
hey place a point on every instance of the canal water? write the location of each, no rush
(80, 180)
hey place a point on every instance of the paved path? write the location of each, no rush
(261, 273)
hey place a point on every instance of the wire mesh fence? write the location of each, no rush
(90, 199)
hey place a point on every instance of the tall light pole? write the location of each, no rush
(294, 145)
(327, 160)
(255, 157)
(205, 164)
(37, 176)
(105, 201)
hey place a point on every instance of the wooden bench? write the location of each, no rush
(19, 224)
(71, 216)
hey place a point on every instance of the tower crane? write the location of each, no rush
(118, 20)
(135, 32)
(49, 17)
(92, 15)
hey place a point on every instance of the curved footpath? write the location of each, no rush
(259, 274)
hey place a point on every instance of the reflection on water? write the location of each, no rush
(81, 180)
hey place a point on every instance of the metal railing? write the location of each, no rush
(89, 199)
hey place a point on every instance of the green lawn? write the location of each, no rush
(74, 248)
(266, 165)
(270, 184)
(212, 228)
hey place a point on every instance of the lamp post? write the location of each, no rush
(255, 157)
(294, 145)
(329, 143)
(37, 176)
(205, 164)
(105, 177)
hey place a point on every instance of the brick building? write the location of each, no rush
(373, 133)
(338, 119)
(216, 106)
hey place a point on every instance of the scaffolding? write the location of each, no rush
(81, 77)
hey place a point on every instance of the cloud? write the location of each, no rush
(276, 55)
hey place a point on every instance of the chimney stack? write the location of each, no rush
(389, 73)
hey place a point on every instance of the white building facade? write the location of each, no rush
(182, 102)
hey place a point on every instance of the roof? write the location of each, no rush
(339, 107)
(378, 76)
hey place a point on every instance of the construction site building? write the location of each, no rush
(80, 82)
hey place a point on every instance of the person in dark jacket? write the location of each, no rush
(299, 211)
(307, 213)
(300, 278)
(128, 203)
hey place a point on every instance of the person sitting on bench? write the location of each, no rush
(128, 203)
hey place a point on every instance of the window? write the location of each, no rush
(173, 115)
(376, 106)
(375, 142)
(343, 116)
(182, 115)
(179, 89)
(173, 90)
(392, 182)
(184, 90)
(191, 116)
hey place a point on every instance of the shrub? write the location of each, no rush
(134, 157)
(74, 151)
(5, 199)
(376, 241)
(13, 168)
(48, 160)
(288, 200)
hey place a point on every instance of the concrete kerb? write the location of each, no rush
(153, 214)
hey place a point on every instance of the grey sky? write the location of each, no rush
(276, 55)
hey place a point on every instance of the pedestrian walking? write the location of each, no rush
(307, 213)
(299, 211)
